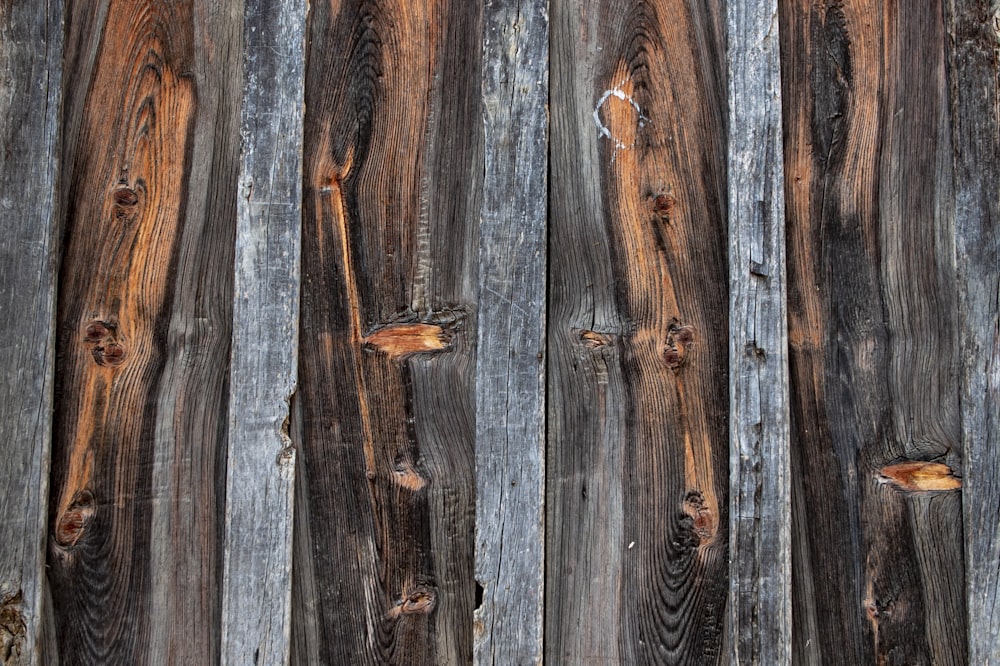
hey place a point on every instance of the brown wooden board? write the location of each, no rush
(150, 163)
(638, 463)
(385, 408)
(973, 70)
(31, 49)
(873, 334)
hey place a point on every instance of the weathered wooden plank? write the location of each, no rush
(637, 564)
(257, 582)
(144, 330)
(393, 167)
(874, 360)
(973, 68)
(31, 48)
(760, 483)
(510, 356)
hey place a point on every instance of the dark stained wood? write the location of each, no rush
(31, 49)
(637, 565)
(760, 525)
(873, 337)
(510, 357)
(144, 326)
(260, 469)
(973, 66)
(385, 408)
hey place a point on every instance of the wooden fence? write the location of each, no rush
(440, 331)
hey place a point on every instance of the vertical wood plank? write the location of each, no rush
(31, 49)
(150, 156)
(510, 365)
(393, 169)
(760, 482)
(873, 333)
(257, 584)
(973, 70)
(637, 552)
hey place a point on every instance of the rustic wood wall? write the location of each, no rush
(576, 331)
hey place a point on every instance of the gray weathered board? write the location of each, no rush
(260, 479)
(545, 397)
(31, 49)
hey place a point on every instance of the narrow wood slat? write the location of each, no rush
(149, 174)
(256, 588)
(638, 479)
(973, 66)
(873, 333)
(385, 408)
(510, 365)
(31, 48)
(760, 488)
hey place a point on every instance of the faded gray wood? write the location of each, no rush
(510, 365)
(256, 601)
(760, 496)
(973, 65)
(31, 45)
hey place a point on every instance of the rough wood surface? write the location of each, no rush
(510, 356)
(638, 443)
(874, 360)
(31, 49)
(760, 608)
(393, 169)
(260, 476)
(149, 170)
(973, 70)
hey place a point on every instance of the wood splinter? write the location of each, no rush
(401, 340)
(918, 476)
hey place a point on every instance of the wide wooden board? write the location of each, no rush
(385, 409)
(873, 334)
(637, 563)
(145, 299)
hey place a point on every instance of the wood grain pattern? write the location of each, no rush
(260, 473)
(393, 168)
(638, 440)
(874, 361)
(31, 49)
(144, 316)
(510, 357)
(973, 69)
(760, 485)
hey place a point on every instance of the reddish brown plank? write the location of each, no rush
(144, 326)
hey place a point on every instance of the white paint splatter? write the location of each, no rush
(603, 129)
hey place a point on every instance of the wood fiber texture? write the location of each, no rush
(873, 333)
(385, 415)
(144, 318)
(260, 479)
(31, 49)
(637, 557)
